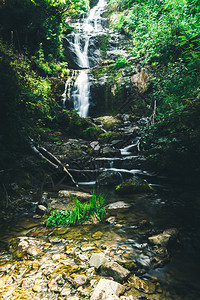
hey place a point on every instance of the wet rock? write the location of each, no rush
(142, 285)
(21, 247)
(97, 259)
(107, 289)
(134, 185)
(163, 238)
(41, 209)
(44, 199)
(80, 280)
(95, 145)
(97, 235)
(70, 194)
(114, 270)
(109, 178)
(118, 205)
(109, 151)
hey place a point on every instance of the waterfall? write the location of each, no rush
(79, 42)
(80, 94)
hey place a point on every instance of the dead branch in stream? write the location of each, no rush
(49, 158)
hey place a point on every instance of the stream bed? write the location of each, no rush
(121, 236)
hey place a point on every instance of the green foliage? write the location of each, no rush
(173, 144)
(120, 63)
(79, 212)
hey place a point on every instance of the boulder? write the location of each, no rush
(107, 289)
(22, 247)
(114, 270)
(109, 178)
(109, 122)
(134, 185)
(97, 259)
(163, 238)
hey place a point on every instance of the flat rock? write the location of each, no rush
(107, 289)
(118, 205)
(70, 194)
(97, 259)
(114, 270)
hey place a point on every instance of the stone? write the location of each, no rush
(107, 289)
(97, 259)
(65, 292)
(53, 286)
(95, 145)
(133, 185)
(114, 270)
(81, 196)
(109, 178)
(80, 280)
(163, 238)
(118, 205)
(142, 285)
(41, 209)
(97, 235)
(21, 247)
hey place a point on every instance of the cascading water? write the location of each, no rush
(80, 94)
(79, 43)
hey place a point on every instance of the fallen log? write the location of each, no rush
(53, 161)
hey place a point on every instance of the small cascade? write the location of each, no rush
(79, 42)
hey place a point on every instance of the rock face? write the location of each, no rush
(163, 238)
(134, 185)
(21, 247)
(97, 259)
(113, 269)
(107, 289)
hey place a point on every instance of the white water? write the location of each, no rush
(80, 94)
(79, 42)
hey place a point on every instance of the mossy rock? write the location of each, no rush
(134, 185)
(109, 122)
(108, 137)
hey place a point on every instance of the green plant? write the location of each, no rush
(120, 62)
(79, 212)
